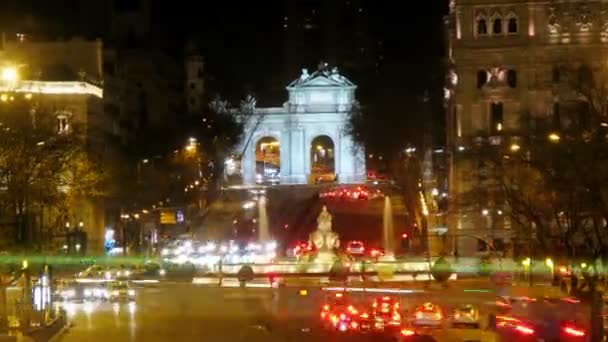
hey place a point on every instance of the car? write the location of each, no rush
(120, 291)
(301, 249)
(93, 293)
(466, 315)
(411, 335)
(355, 247)
(376, 252)
(95, 271)
(366, 322)
(543, 318)
(75, 292)
(340, 318)
(339, 314)
(386, 313)
(427, 314)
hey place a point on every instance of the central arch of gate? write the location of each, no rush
(305, 140)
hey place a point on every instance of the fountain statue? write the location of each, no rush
(324, 239)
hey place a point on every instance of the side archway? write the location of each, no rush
(267, 160)
(322, 159)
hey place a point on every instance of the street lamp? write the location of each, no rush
(554, 137)
(9, 74)
(515, 147)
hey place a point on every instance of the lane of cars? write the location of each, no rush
(384, 316)
(101, 283)
(510, 319)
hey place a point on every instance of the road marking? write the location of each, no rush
(372, 290)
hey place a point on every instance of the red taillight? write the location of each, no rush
(572, 331)
(407, 332)
(326, 307)
(354, 325)
(524, 329)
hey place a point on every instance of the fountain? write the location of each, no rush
(263, 232)
(388, 232)
(324, 239)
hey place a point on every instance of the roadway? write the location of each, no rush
(186, 312)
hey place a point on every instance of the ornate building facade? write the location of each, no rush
(505, 58)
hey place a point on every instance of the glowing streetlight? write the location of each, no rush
(515, 147)
(554, 137)
(526, 262)
(9, 74)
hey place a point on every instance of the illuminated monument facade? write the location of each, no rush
(305, 140)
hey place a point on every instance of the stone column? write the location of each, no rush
(298, 156)
(347, 160)
(285, 146)
(248, 163)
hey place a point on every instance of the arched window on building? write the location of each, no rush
(512, 78)
(482, 78)
(497, 25)
(63, 122)
(512, 26)
(557, 121)
(585, 77)
(496, 117)
(482, 26)
(556, 75)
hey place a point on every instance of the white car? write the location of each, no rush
(95, 293)
(466, 316)
(355, 247)
(121, 291)
(427, 314)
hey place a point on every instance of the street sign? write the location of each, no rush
(167, 217)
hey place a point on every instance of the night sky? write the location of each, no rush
(243, 45)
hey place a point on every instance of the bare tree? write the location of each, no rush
(40, 165)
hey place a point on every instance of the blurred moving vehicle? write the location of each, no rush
(95, 271)
(427, 314)
(544, 319)
(355, 248)
(339, 314)
(386, 313)
(411, 335)
(120, 291)
(73, 292)
(466, 315)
